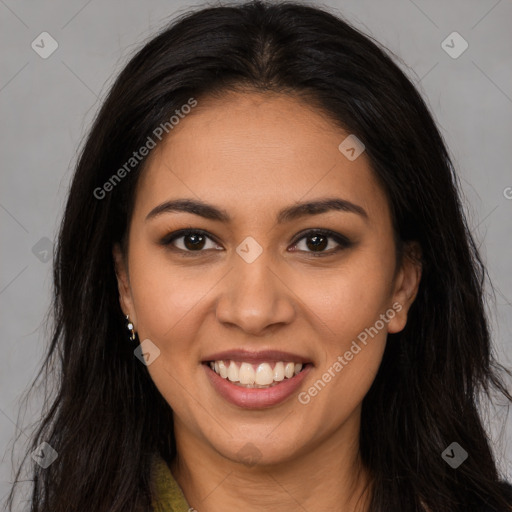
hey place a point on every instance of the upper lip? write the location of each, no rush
(256, 357)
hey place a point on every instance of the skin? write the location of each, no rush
(252, 155)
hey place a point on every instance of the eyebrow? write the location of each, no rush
(287, 214)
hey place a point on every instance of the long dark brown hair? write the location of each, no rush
(106, 419)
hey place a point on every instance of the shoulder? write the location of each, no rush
(507, 488)
(166, 493)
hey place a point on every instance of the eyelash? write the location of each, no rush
(342, 241)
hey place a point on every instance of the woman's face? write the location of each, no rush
(260, 280)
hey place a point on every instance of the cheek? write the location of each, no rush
(165, 295)
(348, 306)
(167, 300)
(350, 361)
(348, 299)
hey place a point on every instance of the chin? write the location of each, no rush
(258, 453)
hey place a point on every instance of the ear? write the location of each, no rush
(406, 286)
(123, 283)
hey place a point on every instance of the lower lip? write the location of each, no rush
(256, 398)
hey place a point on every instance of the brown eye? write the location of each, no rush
(317, 241)
(189, 241)
(194, 241)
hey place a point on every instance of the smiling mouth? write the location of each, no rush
(262, 375)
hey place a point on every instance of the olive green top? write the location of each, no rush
(168, 496)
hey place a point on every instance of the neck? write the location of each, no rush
(328, 476)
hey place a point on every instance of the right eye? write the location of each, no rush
(191, 240)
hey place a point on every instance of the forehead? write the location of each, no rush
(259, 151)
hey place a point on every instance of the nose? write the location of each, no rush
(255, 298)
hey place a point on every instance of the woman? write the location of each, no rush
(266, 293)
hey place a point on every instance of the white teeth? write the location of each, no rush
(289, 370)
(223, 370)
(256, 376)
(233, 372)
(246, 374)
(279, 372)
(264, 374)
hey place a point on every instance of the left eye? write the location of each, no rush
(315, 241)
(318, 240)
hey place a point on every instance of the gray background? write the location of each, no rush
(48, 104)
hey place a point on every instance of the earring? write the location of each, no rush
(129, 326)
